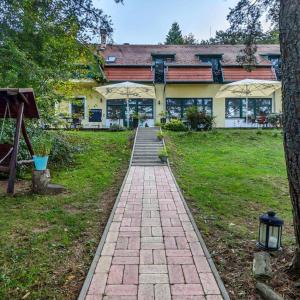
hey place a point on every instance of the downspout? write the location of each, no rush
(165, 87)
(274, 101)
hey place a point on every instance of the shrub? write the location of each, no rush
(275, 120)
(163, 153)
(160, 136)
(116, 127)
(60, 145)
(64, 147)
(175, 125)
(199, 120)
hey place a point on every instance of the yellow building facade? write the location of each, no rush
(183, 76)
(93, 101)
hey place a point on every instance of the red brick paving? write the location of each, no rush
(151, 250)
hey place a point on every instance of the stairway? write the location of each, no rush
(147, 147)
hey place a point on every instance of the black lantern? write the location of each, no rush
(270, 231)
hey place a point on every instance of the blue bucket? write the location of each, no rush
(40, 162)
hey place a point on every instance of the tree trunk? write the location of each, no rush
(290, 49)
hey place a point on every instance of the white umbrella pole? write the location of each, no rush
(246, 111)
(127, 103)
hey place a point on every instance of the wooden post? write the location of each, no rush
(26, 138)
(13, 161)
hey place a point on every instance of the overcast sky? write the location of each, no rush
(148, 21)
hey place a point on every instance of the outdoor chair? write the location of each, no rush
(262, 120)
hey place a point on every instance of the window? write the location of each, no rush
(215, 61)
(95, 115)
(166, 57)
(176, 108)
(237, 108)
(77, 108)
(160, 60)
(110, 59)
(116, 109)
(141, 106)
(159, 71)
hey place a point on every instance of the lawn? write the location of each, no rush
(229, 178)
(47, 242)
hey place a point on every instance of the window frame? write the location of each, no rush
(72, 104)
(183, 105)
(91, 113)
(242, 107)
(116, 103)
(136, 104)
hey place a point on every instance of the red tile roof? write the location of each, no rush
(189, 74)
(239, 73)
(133, 62)
(143, 74)
(185, 54)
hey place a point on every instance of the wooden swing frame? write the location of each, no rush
(21, 105)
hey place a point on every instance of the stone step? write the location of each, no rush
(146, 149)
(153, 157)
(148, 164)
(149, 145)
(148, 142)
(142, 160)
(145, 152)
(139, 147)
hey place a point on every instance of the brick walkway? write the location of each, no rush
(151, 250)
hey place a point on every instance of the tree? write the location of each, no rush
(285, 15)
(190, 39)
(174, 36)
(234, 38)
(44, 43)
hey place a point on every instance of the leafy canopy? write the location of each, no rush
(42, 44)
(174, 36)
(234, 38)
(245, 19)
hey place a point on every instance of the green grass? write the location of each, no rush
(47, 242)
(230, 177)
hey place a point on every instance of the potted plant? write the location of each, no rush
(160, 136)
(163, 155)
(135, 120)
(42, 149)
(163, 117)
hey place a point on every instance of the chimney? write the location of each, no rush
(103, 36)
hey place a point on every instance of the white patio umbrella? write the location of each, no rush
(126, 90)
(249, 88)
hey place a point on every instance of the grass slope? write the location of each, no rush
(47, 242)
(229, 178)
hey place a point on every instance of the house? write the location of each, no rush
(183, 75)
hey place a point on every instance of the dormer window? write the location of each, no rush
(160, 60)
(165, 57)
(215, 61)
(110, 59)
(276, 61)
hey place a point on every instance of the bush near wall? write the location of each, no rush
(175, 125)
(199, 120)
